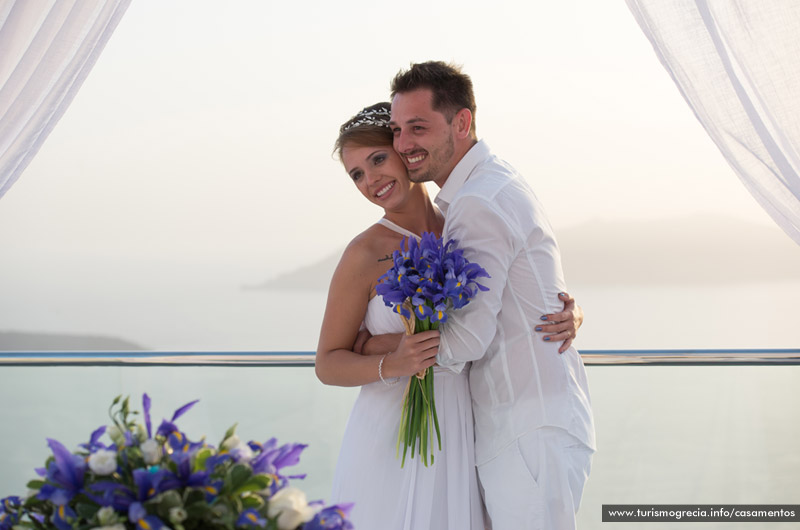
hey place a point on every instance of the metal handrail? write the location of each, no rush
(675, 357)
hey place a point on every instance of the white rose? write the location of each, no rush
(242, 453)
(230, 443)
(239, 450)
(177, 515)
(141, 432)
(103, 462)
(106, 516)
(292, 505)
(116, 435)
(151, 450)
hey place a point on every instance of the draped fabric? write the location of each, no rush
(737, 64)
(48, 49)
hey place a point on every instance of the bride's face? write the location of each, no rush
(378, 173)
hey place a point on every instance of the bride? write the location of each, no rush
(444, 495)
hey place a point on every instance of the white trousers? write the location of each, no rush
(536, 482)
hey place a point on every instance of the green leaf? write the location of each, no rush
(197, 510)
(255, 483)
(416, 420)
(200, 459)
(193, 496)
(254, 502)
(168, 500)
(230, 432)
(263, 480)
(402, 436)
(435, 416)
(86, 511)
(35, 484)
(402, 430)
(423, 437)
(237, 476)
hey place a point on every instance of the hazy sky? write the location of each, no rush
(197, 159)
(206, 133)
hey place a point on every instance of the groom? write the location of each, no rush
(533, 420)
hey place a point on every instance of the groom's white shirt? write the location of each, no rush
(518, 381)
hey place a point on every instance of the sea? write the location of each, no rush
(666, 434)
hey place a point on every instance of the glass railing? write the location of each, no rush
(694, 427)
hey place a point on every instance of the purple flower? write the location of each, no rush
(62, 517)
(251, 517)
(149, 484)
(272, 459)
(146, 411)
(331, 518)
(139, 516)
(184, 409)
(108, 493)
(433, 275)
(64, 475)
(167, 427)
(94, 443)
(9, 512)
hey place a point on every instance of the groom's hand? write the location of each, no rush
(361, 339)
(379, 344)
(562, 326)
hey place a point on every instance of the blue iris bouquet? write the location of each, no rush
(428, 278)
(158, 479)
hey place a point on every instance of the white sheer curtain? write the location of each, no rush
(47, 48)
(737, 64)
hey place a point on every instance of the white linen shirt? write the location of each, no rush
(518, 381)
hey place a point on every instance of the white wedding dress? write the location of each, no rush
(442, 496)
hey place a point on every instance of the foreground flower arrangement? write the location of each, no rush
(428, 279)
(156, 480)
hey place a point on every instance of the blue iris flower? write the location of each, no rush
(148, 484)
(214, 460)
(273, 459)
(331, 518)
(94, 440)
(9, 512)
(146, 412)
(434, 275)
(107, 493)
(167, 427)
(64, 475)
(139, 516)
(198, 479)
(62, 516)
(251, 517)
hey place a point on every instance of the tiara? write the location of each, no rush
(379, 117)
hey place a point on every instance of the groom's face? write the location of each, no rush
(422, 136)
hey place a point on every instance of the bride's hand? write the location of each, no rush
(414, 354)
(562, 326)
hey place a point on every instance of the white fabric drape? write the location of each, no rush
(737, 64)
(47, 48)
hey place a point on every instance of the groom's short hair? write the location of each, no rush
(451, 88)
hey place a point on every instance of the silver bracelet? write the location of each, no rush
(380, 372)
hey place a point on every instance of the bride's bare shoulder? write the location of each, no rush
(367, 247)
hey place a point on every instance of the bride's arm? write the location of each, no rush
(348, 296)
